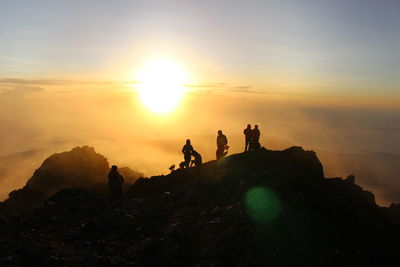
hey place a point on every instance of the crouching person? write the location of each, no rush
(197, 159)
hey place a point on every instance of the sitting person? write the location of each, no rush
(197, 159)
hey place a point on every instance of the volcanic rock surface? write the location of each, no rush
(265, 208)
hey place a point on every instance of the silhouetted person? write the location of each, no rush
(222, 143)
(172, 167)
(182, 165)
(197, 159)
(187, 153)
(247, 136)
(115, 181)
(255, 139)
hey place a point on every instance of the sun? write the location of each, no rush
(161, 85)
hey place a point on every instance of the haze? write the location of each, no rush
(320, 75)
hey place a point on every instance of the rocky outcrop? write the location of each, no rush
(265, 208)
(81, 167)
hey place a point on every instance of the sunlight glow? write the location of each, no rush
(161, 85)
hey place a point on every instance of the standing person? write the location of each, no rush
(247, 136)
(187, 153)
(222, 142)
(255, 138)
(115, 181)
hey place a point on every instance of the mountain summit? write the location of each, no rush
(264, 208)
(82, 167)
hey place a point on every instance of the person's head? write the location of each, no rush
(188, 141)
(219, 132)
(114, 168)
(248, 126)
(256, 126)
(194, 152)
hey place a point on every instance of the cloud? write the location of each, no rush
(207, 85)
(114, 123)
(60, 82)
(206, 88)
(19, 92)
(40, 82)
(248, 90)
(209, 88)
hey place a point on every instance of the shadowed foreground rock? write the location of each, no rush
(268, 208)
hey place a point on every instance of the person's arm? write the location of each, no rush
(183, 149)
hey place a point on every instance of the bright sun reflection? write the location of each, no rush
(161, 85)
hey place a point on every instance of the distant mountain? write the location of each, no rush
(81, 167)
(16, 168)
(380, 172)
(265, 208)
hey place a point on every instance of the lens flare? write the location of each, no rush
(262, 205)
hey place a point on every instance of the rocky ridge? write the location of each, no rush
(82, 167)
(265, 208)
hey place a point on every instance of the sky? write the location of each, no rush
(323, 75)
(335, 48)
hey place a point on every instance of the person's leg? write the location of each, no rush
(258, 145)
(120, 193)
(220, 152)
(187, 160)
(113, 192)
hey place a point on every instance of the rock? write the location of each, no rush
(81, 168)
(351, 179)
(185, 219)
(149, 245)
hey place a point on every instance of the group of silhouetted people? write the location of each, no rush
(252, 143)
(188, 153)
(252, 138)
(192, 157)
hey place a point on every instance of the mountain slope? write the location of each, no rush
(267, 208)
(379, 171)
(81, 167)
